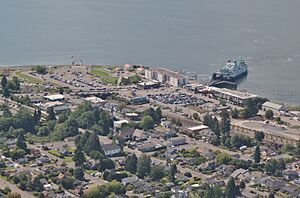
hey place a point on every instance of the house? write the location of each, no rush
(111, 149)
(211, 165)
(35, 152)
(47, 187)
(148, 147)
(178, 141)
(23, 160)
(42, 160)
(169, 134)
(225, 170)
(273, 183)
(238, 172)
(132, 116)
(129, 180)
(293, 191)
(276, 108)
(119, 124)
(127, 133)
(215, 181)
(139, 135)
(61, 109)
(290, 175)
(171, 154)
(209, 154)
(166, 124)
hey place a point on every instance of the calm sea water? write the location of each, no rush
(194, 35)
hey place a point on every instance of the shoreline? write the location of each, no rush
(30, 66)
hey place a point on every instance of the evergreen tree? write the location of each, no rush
(257, 155)
(79, 157)
(21, 144)
(232, 190)
(51, 114)
(131, 163)
(225, 122)
(93, 144)
(3, 81)
(143, 166)
(5, 92)
(172, 172)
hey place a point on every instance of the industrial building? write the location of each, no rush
(234, 96)
(166, 76)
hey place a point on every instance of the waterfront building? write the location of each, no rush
(234, 96)
(166, 76)
(276, 108)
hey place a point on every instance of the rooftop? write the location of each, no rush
(233, 93)
(196, 128)
(273, 105)
(167, 72)
(55, 97)
(94, 100)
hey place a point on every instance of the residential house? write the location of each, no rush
(178, 141)
(111, 149)
(129, 180)
(290, 175)
(238, 172)
(148, 147)
(126, 133)
(139, 135)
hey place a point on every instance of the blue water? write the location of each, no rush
(194, 35)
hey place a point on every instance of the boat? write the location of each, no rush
(232, 71)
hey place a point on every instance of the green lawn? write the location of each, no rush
(104, 74)
(28, 78)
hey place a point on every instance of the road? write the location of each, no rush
(14, 188)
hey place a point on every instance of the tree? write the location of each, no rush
(269, 114)
(297, 152)
(93, 144)
(78, 173)
(195, 116)
(3, 81)
(70, 128)
(231, 189)
(158, 113)
(257, 155)
(250, 108)
(242, 185)
(51, 114)
(79, 158)
(172, 172)
(131, 163)
(24, 119)
(234, 113)
(68, 182)
(259, 136)
(21, 144)
(41, 69)
(5, 92)
(225, 122)
(147, 123)
(143, 166)
(157, 172)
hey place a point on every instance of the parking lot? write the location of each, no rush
(176, 98)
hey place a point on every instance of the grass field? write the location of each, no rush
(28, 78)
(104, 74)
